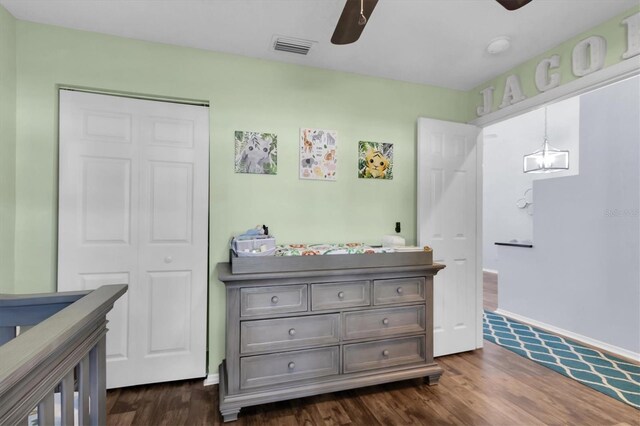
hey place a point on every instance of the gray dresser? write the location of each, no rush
(294, 334)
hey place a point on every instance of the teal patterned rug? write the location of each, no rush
(605, 373)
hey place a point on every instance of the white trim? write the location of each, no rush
(490, 271)
(211, 379)
(614, 73)
(573, 336)
(194, 102)
(479, 240)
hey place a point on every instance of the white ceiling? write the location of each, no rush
(437, 42)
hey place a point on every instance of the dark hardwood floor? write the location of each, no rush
(490, 386)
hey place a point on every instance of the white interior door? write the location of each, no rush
(449, 192)
(133, 209)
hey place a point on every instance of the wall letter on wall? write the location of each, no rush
(544, 80)
(588, 55)
(487, 98)
(633, 36)
(512, 92)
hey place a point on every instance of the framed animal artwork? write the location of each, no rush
(375, 160)
(318, 154)
(256, 153)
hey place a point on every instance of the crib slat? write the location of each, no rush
(66, 399)
(83, 391)
(97, 372)
(45, 410)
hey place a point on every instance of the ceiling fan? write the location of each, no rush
(356, 14)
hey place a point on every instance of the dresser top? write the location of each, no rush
(225, 274)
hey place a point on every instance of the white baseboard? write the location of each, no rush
(212, 379)
(491, 271)
(615, 350)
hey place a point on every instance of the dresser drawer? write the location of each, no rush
(383, 322)
(398, 291)
(286, 367)
(383, 354)
(340, 295)
(289, 333)
(273, 300)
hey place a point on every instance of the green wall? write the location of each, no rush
(245, 94)
(7, 148)
(612, 30)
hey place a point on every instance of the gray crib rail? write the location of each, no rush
(64, 349)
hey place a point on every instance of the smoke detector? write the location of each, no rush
(499, 45)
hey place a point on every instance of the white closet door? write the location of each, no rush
(448, 196)
(133, 209)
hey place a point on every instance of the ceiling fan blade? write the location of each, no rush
(348, 30)
(513, 4)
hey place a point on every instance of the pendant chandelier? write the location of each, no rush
(547, 159)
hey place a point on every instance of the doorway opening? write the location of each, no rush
(561, 250)
(508, 194)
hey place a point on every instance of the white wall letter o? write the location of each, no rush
(544, 80)
(588, 55)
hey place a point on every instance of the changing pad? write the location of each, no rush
(321, 249)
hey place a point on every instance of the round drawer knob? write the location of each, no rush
(399, 290)
(292, 365)
(292, 332)
(385, 353)
(274, 299)
(341, 295)
(168, 259)
(385, 321)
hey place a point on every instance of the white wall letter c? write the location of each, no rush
(544, 80)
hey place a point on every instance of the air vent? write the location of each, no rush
(292, 45)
